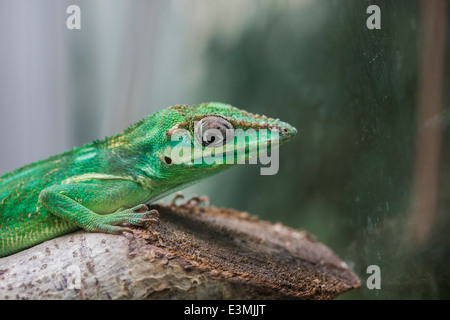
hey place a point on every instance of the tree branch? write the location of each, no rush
(194, 253)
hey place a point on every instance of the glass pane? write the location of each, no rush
(368, 173)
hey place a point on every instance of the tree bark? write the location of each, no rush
(193, 253)
(429, 123)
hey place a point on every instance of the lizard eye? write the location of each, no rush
(213, 131)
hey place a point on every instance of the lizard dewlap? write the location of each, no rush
(101, 185)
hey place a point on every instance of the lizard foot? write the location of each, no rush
(138, 215)
(193, 201)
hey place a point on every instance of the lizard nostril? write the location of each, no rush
(167, 160)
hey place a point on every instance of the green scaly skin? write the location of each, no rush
(106, 183)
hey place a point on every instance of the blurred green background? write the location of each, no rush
(351, 177)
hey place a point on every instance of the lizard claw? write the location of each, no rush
(177, 196)
(139, 208)
(125, 229)
(198, 200)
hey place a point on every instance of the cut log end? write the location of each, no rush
(193, 253)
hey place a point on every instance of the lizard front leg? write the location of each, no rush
(99, 205)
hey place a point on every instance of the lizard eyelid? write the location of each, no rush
(212, 132)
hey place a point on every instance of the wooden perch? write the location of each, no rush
(194, 253)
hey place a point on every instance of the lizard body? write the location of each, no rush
(103, 184)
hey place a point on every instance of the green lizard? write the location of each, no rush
(106, 183)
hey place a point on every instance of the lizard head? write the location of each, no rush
(192, 143)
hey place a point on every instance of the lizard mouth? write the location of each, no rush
(242, 147)
(237, 154)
